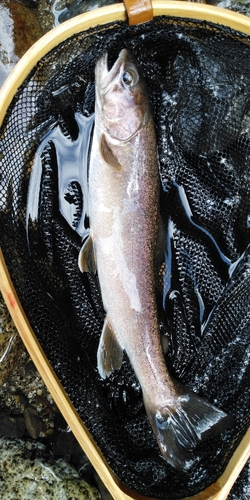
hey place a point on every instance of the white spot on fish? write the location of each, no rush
(133, 183)
(104, 208)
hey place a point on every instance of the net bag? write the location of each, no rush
(197, 73)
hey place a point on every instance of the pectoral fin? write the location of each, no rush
(109, 354)
(108, 155)
(86, 258)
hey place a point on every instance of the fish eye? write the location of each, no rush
(130, 77)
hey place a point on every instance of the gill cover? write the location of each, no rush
(121, 98)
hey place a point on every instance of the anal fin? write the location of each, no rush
(110, 353)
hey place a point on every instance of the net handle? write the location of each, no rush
(138, 11)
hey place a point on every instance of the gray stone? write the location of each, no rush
(28, 471)
(33, 422)
(11, 345)
(12, 427)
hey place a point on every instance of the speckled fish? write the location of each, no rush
(123, 248)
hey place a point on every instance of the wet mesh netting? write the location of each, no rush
(198, 77)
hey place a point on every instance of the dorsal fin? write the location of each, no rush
(110, 353)
(108, 155)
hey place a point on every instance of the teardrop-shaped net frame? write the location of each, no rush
(196, 61)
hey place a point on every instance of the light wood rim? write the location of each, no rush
(220, 489)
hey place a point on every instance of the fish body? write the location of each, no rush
(124, 247)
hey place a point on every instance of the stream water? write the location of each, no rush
(23, 22)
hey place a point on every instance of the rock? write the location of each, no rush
(45, 14)
(28, 471)
(242, 6)
(27, 29)
(105, 495)
(11, 345)
(32, 4)
(33, 422)
(27, 410)
(8, 58)
(30, 368)
(19, 29)
(22, 400)
(23, 393)
(12, 427)
(65, 444)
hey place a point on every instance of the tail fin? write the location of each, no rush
(179, 428)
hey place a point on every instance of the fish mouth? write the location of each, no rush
(106, 76)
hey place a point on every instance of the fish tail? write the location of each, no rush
(180, 426)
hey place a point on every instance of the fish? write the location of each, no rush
(124, 246)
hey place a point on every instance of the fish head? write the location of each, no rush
(122, 106)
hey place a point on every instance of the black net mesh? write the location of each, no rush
(198, 78)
